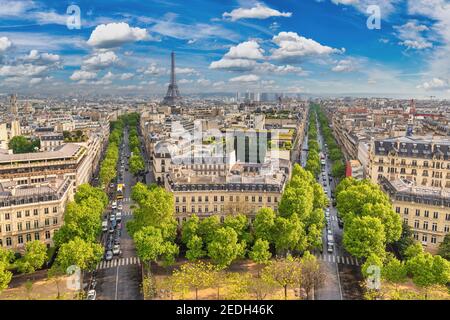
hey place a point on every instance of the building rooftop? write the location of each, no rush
(68, 150)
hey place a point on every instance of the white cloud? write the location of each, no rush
(204, 82)
(14, 8)
(246, 50)
(387, 7)
(22, 70)
(185, 81)
(185, 71)
(34, 81)
(411, 37)
(109, 76)
(81, 75)
(346, 65)
(218, 84)
(245, 78)
(100, 60)
(152, 69)
(295, 47)
(5, 44)
(260, 11)
(126, 76)
(190, 32)
(115, 34)
(42, 58)
(233, 64)
(435, 84)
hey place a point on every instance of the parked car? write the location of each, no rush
(329, 232)
(91, 295)
(108, 255)
(105, 225)
(340, 223)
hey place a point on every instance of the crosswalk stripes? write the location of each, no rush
(118, 262)
(338, 259)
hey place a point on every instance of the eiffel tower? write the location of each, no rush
(172, 97)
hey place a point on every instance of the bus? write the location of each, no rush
(119, 194)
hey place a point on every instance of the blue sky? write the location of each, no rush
(297, 46)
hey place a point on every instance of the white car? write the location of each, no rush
(91, 295)
(329, 232)
(116, 249)
(330, 238)
(118, 216)
(120, 207)
(114, 205)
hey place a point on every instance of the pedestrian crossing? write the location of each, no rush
(127, 213)
(118, 262)
(338, 259)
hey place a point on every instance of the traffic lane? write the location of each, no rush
(329, 290)
(129, 283)
(106, 284)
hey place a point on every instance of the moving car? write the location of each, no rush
(112, 217)
(119, 216)
(330, 247)
(114, 205)
(116, 249)
(330, 238)
(340, 223)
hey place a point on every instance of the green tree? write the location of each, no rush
(5, 274)
(312, 274)
(190, 228)
(391, 221)
(154, 208)
(195, 248)
(78, 252)
(364, 236)
(225, 248)
(394, 271)
(208, 227)
(86, 192)
(338, 169)
(427, 270)
(151, 246)
(289, 234)
(136, 164)
(34, 257)
(238, 223)
(444, 247)
(260, 252)
(20, 144)
(196, 275)
(406, 240)
(413, 250)
(264, 223)
(283, 272)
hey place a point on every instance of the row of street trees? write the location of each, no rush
(313, 160)
(297, 227)
(136, 161)
(279, 274)
(335, 154)
(371, 227)
(108, 167)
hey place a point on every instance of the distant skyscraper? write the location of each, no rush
(173, 95)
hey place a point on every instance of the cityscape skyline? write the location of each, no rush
(226, 47)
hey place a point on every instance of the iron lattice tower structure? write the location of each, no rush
(173, 96)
